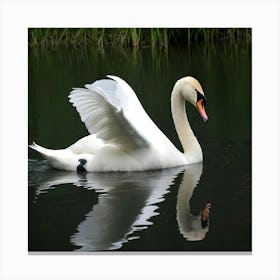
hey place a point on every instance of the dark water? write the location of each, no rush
(143, 211)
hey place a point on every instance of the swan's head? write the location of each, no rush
(193, 93)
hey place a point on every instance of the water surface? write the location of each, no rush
(143, 211)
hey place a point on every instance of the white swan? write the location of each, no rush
(122, 135)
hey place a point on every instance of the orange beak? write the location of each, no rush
(201, 110)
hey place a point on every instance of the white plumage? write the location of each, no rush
(122, 136)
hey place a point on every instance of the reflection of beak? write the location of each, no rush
(201, 110)
(205, 215)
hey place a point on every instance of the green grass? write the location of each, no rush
(155, 38)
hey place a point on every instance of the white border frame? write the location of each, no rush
(17, 16)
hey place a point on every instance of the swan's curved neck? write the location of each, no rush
(191, 147)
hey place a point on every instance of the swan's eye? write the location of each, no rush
(200, 96)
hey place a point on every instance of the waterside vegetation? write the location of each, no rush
(155, 38)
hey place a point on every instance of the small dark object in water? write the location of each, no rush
(80, 167)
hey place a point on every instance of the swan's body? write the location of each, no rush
(123, 137)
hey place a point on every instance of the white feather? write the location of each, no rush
(103, 107)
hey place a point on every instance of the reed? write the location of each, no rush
(155, 38)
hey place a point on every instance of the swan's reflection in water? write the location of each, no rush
(126, 203)
(192, 227)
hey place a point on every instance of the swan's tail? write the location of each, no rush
(63, 159)
(46, 153)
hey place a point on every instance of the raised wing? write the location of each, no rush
(105, 107)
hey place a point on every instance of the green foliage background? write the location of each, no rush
(136, 37)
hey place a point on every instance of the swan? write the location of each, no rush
(122, 135)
